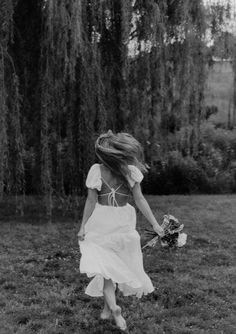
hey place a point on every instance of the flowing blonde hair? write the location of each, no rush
(117, 151)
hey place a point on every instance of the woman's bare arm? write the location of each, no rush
(144, 207)
(88, 210)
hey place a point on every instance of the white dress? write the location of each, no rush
(111, 248)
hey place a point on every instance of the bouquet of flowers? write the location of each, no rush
(172, 237)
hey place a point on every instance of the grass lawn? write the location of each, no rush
(42, 290)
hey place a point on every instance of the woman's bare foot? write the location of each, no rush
(120, 321)
(106, 312)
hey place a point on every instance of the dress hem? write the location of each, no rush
(137, 291)
(108, 277)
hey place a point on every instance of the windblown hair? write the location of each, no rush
(117, 151)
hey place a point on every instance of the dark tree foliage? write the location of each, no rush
(11, 137)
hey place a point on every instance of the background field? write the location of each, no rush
(43, 292)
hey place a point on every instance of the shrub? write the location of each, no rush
(178, 175)
(211, 170)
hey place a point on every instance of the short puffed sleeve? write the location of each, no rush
(135, 175)
(93, 180)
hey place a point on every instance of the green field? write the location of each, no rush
(42, 290)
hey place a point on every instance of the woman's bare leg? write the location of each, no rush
(106, 312)
(110, 298)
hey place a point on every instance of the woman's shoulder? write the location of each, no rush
(93, 180)
(135, 175)
(95, 167)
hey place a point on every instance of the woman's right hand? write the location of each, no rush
(81, 234)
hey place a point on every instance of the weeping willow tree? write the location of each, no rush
(85, 67)
(86, 91)
(113, 44)
(11, 140)
(61, 44)
(221, 22)
(4, 37)
(72, 94)
(171, 59)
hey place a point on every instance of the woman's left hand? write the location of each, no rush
(159, 230)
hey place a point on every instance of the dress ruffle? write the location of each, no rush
(93, 180)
